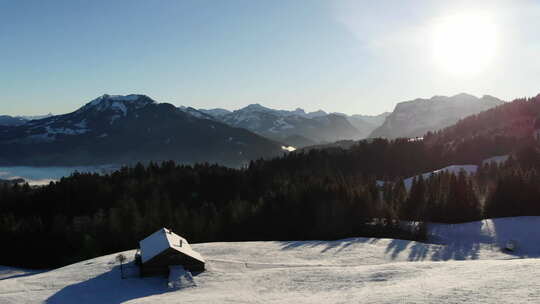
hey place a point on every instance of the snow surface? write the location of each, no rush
(119, 106)
(215, 112)
(469, 169)
(99, 100)
(280, 124)
(118, 103)
(496, 159)
(180, 278)
(466, 266)
(12, 272)
(66, 131)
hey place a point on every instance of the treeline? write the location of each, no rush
(88, 215)
(300, 196)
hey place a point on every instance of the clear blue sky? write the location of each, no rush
(346, 56)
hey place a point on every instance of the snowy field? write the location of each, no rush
(465, 263)
(44, 175)
(12, 272)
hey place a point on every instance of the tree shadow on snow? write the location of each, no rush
(451, 242)
(444, 244)
(110, 288)
(418, 251)
(338, 245)
(521, 231)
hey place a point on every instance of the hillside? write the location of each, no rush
(463, 264)
(503, 130)
(517, 119)
(416, 117)
(6, 120)
(129, 129)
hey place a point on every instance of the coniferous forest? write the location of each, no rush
(317, 194)
(88, 215)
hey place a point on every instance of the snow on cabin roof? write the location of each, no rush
(164, 239)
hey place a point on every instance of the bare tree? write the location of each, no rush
(121, 259)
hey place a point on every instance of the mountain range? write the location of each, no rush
(6, 120)
(297, 128)
(300, 129)
(127, 129)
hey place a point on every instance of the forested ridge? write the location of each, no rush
(318, 194)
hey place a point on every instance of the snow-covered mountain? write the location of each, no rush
(297, 128)
(6, 120)
(33, 117)
(417, 117)
(460, 263)
(215, 112)
(125, 129)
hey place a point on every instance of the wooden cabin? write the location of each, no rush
(164, 248)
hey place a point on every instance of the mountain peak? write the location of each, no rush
(464, 95)
(121, 98)
(118, 103)
(255, 107)
(299, 111)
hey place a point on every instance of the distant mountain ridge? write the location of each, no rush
(6, 120)
(127, 129)
(108, 114)
(365, 124)
(298, 127)
(416, 117)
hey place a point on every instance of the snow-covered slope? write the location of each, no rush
(469, 169)
(6, 120)
(13, 272)
(215, 112)
(496, 159)
(356, 270)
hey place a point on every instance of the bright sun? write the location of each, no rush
(464, 44)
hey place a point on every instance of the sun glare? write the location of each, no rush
(464, 44)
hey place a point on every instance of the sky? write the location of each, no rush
(355, 57)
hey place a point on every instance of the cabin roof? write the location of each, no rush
(162, 240)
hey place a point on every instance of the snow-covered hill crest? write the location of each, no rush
(466, 263)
